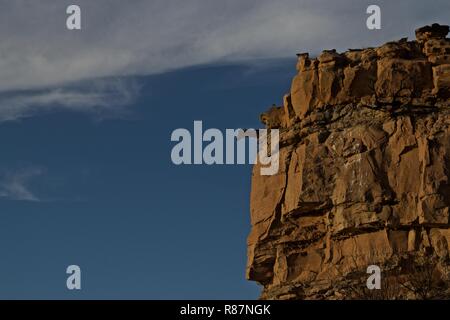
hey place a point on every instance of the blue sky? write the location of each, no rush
(112, 202)
(85, 122)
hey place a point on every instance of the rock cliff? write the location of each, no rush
(364, 176)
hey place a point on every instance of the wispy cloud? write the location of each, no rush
(103, 98)
(121, 38)
(142, 37)
(15, 185)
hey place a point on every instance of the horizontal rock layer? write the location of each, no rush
(364, 171)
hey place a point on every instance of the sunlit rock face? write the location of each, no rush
(364, 174)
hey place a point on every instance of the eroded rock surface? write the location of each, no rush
(364, 171)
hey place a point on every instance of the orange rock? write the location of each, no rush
(364, 169)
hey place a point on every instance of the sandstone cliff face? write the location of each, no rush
(364, 172)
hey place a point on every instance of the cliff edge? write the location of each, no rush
(364, 176)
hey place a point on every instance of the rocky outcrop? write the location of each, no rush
(364, 173)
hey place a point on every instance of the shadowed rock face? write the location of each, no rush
(364, 170)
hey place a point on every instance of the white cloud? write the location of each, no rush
(15, 185)
(101, 98)
(120, 38)
(142, 37)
